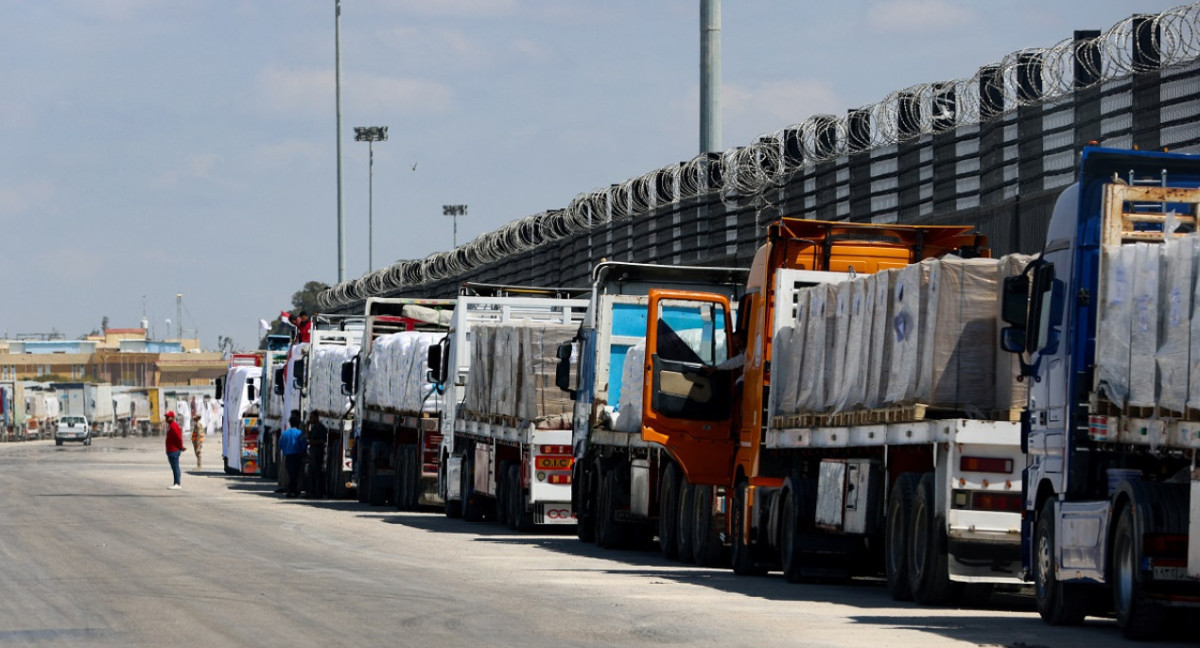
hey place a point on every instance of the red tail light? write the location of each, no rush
(986, 465)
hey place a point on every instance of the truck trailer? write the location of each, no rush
(396, 408)
(506, 428)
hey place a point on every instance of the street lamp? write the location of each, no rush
(370, 135)
(454, 211)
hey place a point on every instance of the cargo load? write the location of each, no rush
(512, 374)
(395, 373)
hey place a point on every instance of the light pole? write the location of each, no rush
(454, 211)
(370, 135)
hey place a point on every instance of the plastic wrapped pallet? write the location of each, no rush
(1175, 296)
(853, 379)
(835, 355)
(787, 355)
(539, 399)
(1010, 392)
(477, 393)
(1144, 326)
(810, 396)
(1115, 321)
(962, 342)
(784, 374)
(909, 303)
(881, 338)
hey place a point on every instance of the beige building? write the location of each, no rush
(119, 356)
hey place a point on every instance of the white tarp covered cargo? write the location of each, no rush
(325, 378)
(395, 373)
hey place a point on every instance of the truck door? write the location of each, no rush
(687, 397)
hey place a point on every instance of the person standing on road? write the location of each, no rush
(197, 436)
(174, 447)
(292, 446)
(318, 434)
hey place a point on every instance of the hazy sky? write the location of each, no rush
(156, 147)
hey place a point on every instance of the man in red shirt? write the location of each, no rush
(174, 447)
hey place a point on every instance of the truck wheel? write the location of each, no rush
(1058, 603)
(668, 512)
(687, 521)
(706, 540)
(585, 517)
(610, 534)
(790, 554)
(337, 479)
(402, 488)
(928, 572)
(452, 509)
(1138, 618)
(471, 508)
(742, 554)
(520, 518)
(896, 533)
(58, 442)
(502, 503)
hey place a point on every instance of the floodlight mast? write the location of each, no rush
(370, 135)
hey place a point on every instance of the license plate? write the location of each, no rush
(1169, 573)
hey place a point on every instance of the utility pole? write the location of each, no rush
(337, 91)
(710, 76)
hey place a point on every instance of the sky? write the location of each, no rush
(155, 148)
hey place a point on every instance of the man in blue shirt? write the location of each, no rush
(292, 446)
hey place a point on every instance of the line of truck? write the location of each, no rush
(885, 399)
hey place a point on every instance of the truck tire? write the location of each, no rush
(503, 505)
(451, 508)
(742, 555)
(791, 555)
(1058, 603)
(58, 442)
(897, 529)
(400, 479)
(1138, 617)
(928, 573)
(585, 517)
(337, 479)
(472, 511)
(609, 533)
(687, 521)
(520, 518)
(707, 547)
(668, 512)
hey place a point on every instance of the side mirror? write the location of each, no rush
(1014, 304)
(438, 361)
(349, 376)
(562, 371)
(433, 362)
(277, 382)
(220, 387)
(298, 373)
(251, 392)
(1012, 339)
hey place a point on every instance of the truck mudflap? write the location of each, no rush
(558, 513)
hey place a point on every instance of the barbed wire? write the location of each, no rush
(1027, 77)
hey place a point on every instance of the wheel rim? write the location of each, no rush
(1044, 566)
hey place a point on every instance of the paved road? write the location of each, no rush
(94, 550)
